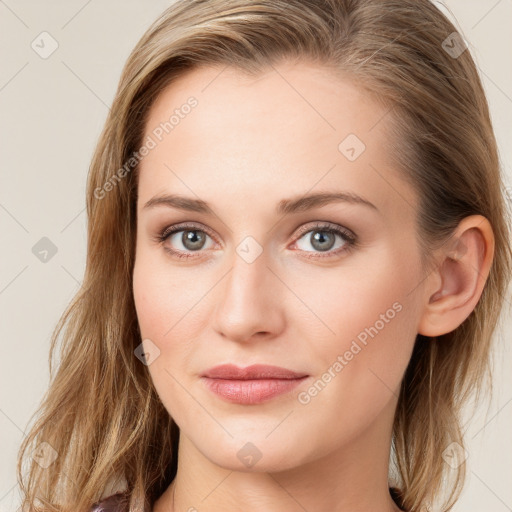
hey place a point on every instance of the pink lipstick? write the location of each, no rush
(251, 385)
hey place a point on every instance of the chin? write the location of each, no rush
(252, 455)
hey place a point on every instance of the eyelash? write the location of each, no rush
(349, 238)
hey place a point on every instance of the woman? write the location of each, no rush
(218, 355)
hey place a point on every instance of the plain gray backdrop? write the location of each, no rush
(54, 97)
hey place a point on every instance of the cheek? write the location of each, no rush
(163, 316)
(360, 367)
(170, 305)
(337, 305)
(162, 296)
(367, 318)
(150, 299)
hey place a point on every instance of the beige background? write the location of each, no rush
(52, 113)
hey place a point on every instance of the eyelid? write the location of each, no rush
(351, 238)
(188, 225)
(324, 225)
(301, 231)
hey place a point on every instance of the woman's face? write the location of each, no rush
(263, 280)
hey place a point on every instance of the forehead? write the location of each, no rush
(292, 129)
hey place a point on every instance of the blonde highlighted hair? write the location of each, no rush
(101, 413)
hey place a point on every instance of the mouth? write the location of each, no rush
(251, 385)
(255, 371)
(250, 392)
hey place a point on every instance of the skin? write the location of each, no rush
(249, 144)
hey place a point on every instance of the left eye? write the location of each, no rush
(323, 239)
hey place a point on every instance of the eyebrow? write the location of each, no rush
(284, 207)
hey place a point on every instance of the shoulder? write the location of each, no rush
(114, 503)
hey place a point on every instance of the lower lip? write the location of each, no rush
(249, 392)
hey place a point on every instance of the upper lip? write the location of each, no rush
(255, 371)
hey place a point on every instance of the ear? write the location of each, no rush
(454, 287)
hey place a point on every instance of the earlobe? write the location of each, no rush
(456, 285)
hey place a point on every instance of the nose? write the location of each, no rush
(250, 301)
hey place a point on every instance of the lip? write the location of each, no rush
(251, 385)
(255, 371)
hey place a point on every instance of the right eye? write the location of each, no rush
(190, 236)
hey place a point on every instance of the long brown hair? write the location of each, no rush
(101, 416)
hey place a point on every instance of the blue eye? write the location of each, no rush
(193, 239)
(323, 237)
